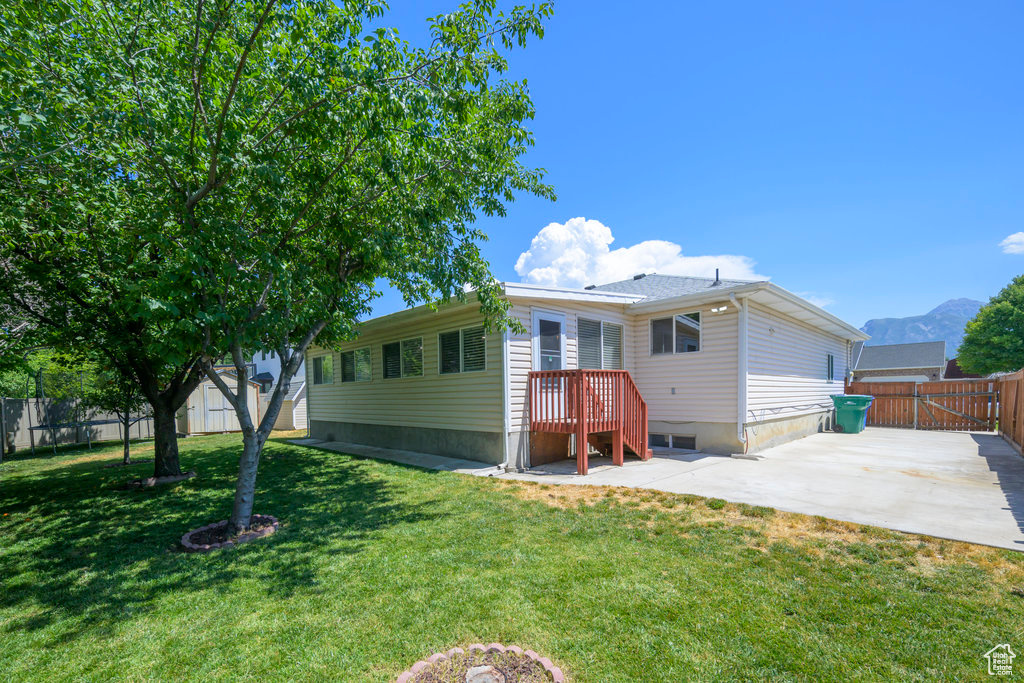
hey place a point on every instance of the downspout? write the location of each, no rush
(741, 370)
(504, 400)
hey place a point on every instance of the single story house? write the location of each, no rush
(721, 366)
(207, 411)
(916, 362)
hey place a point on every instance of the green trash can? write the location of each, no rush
(851, 412)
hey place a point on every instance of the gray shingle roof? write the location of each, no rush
(656, 287)
(892, 356)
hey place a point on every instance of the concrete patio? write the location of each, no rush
(957, 485)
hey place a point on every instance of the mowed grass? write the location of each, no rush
(377, 565)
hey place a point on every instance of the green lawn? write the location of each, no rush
(376, 565)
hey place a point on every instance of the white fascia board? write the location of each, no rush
(525, 291)
(818, 317)
(697, 299)
(850, 332)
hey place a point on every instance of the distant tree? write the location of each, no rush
(112, 391)
(994, 339)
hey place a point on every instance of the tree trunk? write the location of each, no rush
(245, 487)
(127, 449)
(165, 442)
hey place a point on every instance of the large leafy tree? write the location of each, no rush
(260, 165)
(994, 339)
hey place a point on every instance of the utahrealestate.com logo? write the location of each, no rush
(1000, 660)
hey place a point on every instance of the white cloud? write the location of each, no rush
(1014, 244)
(576, 254)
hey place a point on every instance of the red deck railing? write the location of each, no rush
(584, 402)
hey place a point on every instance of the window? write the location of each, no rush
(412, 357)
(658, 441)
(679, 334)
(600, 345)
(323, 370)
(830, 367)
(355, 366)
(686, 443)
(462, 350)
(403, 359)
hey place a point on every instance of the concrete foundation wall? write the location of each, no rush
(770, 433)
(712, 437)
(453, 443)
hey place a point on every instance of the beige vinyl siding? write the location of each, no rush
(520, 355)
(704, 381)
(299, 413)
(786, 372)
(467, 400)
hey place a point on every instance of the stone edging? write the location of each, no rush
(556, 674)
(242, 538)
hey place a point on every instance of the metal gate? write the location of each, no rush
(948, 405)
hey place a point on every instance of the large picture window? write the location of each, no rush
(403, 359)
(323, 370)
(678, 334)
(355, 365)
(462, 350)
(600, 345)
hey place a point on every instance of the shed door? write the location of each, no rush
(217, 410)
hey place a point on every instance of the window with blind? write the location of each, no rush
(323, 370)
(600, 345)
(392, 354)
(462, 350)
(355, 365)
(403, 359)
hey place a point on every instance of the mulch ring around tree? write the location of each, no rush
(492, 663)
(122, 463)
(214, 536)
(150, 482)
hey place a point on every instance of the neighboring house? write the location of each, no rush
(954, 371)
(919, 362)
(266, 369)
(207, 411)
(293, 407)
(719, 366)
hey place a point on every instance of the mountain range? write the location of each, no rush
(945, 322)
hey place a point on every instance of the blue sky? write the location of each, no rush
(868, 155)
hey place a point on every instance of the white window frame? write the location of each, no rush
(462, 350)
(341, 365)
(602, 322)
(673, 352)
(401, 359)
(554, 316)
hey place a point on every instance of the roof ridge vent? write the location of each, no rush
(590, 287)
(641, 276)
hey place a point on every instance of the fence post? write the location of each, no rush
(917, 400)
(3, 428)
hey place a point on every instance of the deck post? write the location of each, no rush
(620, 418)
(581, 426)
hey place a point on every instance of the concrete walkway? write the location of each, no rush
(962, 486)
(424, 460)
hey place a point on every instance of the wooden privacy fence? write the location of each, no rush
(1011, 408)
(947, 405)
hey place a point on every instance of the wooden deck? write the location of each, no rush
(602, 408)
